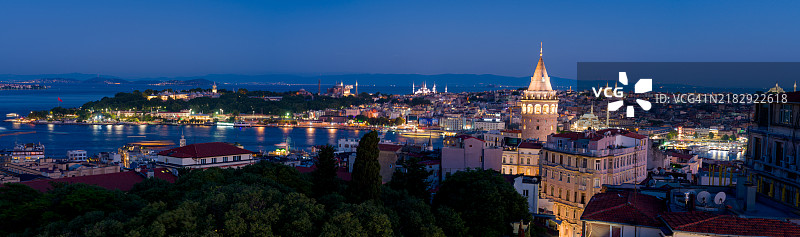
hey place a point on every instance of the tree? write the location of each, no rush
(399, 121)
(710, 135)
(366, 178)
(484, 200)
(725, 137)
(324, 177)
(696, 135)
(413, 177)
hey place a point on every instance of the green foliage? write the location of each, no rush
(484, 200)
(413, 178)
(265, 199)
(419, 101)
(366, 170)
(324, 177)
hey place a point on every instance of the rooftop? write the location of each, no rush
(625, 207)
(122, 181)
(703, 222)
(201, 150)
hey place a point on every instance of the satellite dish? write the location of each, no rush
(703, 197)
(719, 199)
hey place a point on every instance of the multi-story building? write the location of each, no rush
(772, 150)
(539, 106)
(503, 138)
(575, 165)
(27, 152)
(452, 123)
(488, 125)
(205, 155)
(462, 152)
(522, 159)
(76, 155)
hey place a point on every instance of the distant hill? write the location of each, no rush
(105, 80)
(399, 80)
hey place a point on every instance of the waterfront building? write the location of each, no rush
(576, 165)
(205, 155)
(452, 123)
(488, 125)
(467, 152)
(347, 145)
(539, 105)
(27, 152)
(76, 155)
(55, 169)
(772, 150)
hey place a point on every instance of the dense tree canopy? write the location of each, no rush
(263, 199)
(484, 200)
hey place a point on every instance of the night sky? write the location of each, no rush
(188, 38)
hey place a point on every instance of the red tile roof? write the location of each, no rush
(389, 147)
(200, 150)
(704, 222)
(465, 137)
(122, 181)
(626, 208)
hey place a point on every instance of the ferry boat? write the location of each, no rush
(12, 115)
(224, 124)
(242, 124)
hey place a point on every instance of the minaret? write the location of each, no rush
(319, 86)
(539, 105)
(445, 88)
(182, 142)
(434, 88)
(795, 86)
(412, 87)
(356, 88)
(214, 88)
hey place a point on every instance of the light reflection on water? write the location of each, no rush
(99, 138)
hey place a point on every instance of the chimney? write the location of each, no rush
(690, 202)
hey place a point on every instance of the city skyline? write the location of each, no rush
(135, 40)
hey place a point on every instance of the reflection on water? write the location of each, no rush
(722, 155)
(99, 138)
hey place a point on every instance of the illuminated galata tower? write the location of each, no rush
(539, 105)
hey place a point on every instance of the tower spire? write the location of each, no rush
(540, 81)
(540, 48)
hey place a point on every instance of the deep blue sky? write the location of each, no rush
(169, 38)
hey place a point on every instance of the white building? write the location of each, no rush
(528, 187)
(76, 155)
(347, 145)
(488, 125)
(205, 155)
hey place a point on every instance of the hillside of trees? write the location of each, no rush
(268, 199)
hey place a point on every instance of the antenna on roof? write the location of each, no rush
(719, 199)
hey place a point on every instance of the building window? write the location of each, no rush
(596, 183)
(224, 159)
(597, 164)
(202, 161)
(525, 193)
(786, 115)
(237, 158)
(213, 160)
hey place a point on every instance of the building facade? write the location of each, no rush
(539, 105)
(462, 152)
(576, 165)
(205, 155)
(522, 159)
(772, 150)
